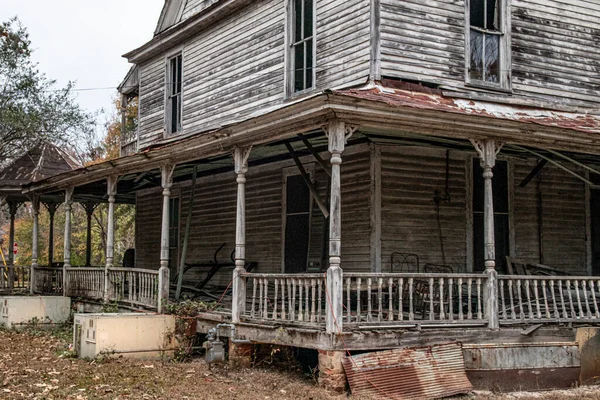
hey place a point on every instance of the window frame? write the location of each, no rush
(168, 95)
(290, 45)
(505, 59)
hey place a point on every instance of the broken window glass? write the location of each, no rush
(302, 46)
(485, 36)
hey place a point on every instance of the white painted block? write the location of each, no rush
(20, 311)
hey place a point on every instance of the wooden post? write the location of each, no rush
(338, 133)
(35, 205)
(186, 237)
(89, 212)
(163, 275)
(488, 149)
(111, 184)
(67, 251)
(238, 307)
(13, 206)
(51, 207)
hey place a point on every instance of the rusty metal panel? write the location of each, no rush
(410, 373)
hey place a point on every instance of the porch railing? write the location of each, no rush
(525, 299)
(133, 286)
(285, 298)
(85, 282)
(48, 281)
(384, 299)
(14, 277)
(138, 287)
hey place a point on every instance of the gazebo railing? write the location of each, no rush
(48, 281)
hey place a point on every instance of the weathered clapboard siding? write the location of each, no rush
(152, 102)
(235, 67)
(555, 54)
(213, 217)
(193, 7)
(555, 49)
(423, 40)
(409, 178)
(343, 42)
(526, 212)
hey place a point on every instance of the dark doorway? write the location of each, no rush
(595, 217)
(500, 190)
(297, 224)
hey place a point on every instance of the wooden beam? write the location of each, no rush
(578, 163)
(536, 170)
(316, 155)
(186, 236)
(311, 187)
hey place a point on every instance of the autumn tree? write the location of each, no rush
(32, 108)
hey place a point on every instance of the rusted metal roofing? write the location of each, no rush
(410, 373)
(434, 100)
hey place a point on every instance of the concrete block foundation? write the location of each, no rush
(331, 371)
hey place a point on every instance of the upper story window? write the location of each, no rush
(302, 40)
(175, 74)
(488, 48)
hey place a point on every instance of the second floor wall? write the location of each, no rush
(241, 63)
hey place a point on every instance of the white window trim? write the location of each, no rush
(505, 49)
(167, 108)
(288, 57)
(286, 172)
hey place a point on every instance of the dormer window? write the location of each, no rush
(175, 74)
(302, 45)
(488, 52)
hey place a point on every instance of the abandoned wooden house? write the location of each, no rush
(362, 175)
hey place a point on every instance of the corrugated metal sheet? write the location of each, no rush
(411, 373)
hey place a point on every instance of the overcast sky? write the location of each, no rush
(83, 40)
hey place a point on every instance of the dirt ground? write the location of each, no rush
(38, 365)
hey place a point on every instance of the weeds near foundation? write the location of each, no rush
(110, 308)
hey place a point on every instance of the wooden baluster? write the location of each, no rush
(282, 282)
(545, 291)
(450, 299)
(469, 299)
(578, 298)
(528, 296)
(254, 283)
(266, 302)
(537, 298)
(358, 287)
(593, 290)
(511, 299)
(519, 293)
(319, 289)
(588, 314)
(348, 314)
(307, 300)
(502, 300)
(570, 292)
(479, 310)
(293, 308)
(300, 315)
(400, 299)
(562, 299)
(411, 311)
(390, 299)
(313, 285)
(431, 299)
(442, 311)
(289, 292)
(369, 283)
(380, 299)
(460, 300)
(554, 305)
(275, 298)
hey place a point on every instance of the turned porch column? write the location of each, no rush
(13, 207)
(111, 184)
(35, 206)
(166, 172)
(89, 208)
(238, 307)
(67, 250)
(338, 133)
(487, 150)
(51, 207)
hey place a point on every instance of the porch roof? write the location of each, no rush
(397, 112)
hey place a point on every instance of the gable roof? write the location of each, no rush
(175, 11)
(39, 163)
